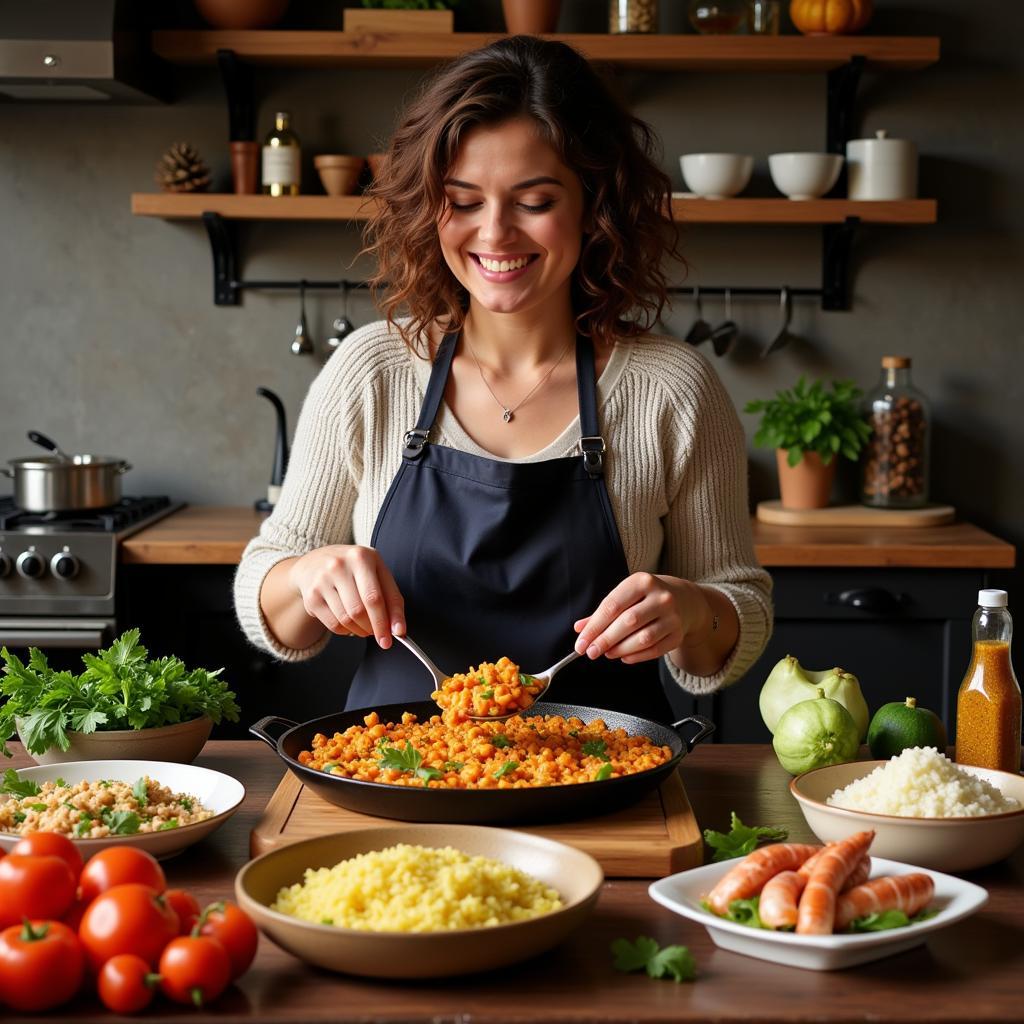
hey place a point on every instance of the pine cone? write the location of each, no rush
(181, 169)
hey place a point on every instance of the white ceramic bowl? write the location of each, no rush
(216, 791)
(716, 175)
(948, 844)
(804, 175)
(682, 893)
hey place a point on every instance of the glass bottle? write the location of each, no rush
(763, 17)
(988, 705)
(894, 467)
(718, 17)
(632, 16)
(282, 158)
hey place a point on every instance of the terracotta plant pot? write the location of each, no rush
(339, 174)
(531, 17)
(241, 13)
(245, 167)
(808, 484)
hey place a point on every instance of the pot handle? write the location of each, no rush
(261, 729)
(706, 728)
(9, 473)
(123, 467)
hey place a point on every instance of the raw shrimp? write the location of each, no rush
(745, 880)
(835, 865)
(909, 893)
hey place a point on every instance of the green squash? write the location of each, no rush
(902, 724)
(815, 733)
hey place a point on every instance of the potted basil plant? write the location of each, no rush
(809, 426)
(124, 705)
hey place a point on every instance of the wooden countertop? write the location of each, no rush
(212, 535)
(970, 971)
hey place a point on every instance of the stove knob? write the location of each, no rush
(5, 565)
(64, 565)
(31, 565)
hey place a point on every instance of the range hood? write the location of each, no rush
(77, 51)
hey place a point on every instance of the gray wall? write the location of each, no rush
(111, 342)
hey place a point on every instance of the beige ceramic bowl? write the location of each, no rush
(339, 174)
(945, 844)
(575, 875)
(180, 742)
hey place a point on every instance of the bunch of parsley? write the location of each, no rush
(119, 689)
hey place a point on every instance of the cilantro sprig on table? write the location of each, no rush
(407, 759)
(740, 839)
(644, 954)
(120, 688)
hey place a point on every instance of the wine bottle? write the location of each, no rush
(282, 159)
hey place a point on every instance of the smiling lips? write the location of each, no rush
(503, 268)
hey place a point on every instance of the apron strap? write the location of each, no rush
(591, 442)
(416, 438)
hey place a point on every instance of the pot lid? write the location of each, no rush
(56, 462)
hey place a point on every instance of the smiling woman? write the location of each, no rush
(455, 469)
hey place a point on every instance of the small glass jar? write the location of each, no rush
(895, 462)
(626, 16)
(763, 17)
(718, 17)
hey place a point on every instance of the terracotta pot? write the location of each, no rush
(531, 17)
(808, 484)
(241, 13)
(245, 167)
(339, 174)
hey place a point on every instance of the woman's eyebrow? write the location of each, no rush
(529, 183)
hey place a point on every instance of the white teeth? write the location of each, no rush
(500, 266)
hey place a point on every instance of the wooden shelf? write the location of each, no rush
(694, 211)
(654, 52)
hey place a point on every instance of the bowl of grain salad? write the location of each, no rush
(420, 901)
(162, 807)
(924, 808)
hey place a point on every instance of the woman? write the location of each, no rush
(517, 467)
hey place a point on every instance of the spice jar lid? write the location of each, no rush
(992, 598)
(895, 362)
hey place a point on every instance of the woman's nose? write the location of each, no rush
(496, 226)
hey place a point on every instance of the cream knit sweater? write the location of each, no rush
(676, 474)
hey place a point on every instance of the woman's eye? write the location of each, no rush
(538, 207)
(462, 206)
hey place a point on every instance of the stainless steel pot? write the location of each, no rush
(54, 483)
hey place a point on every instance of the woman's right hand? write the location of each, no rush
(349, 589)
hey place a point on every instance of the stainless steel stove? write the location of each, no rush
(58, 571)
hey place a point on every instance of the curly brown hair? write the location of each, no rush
(618, 286)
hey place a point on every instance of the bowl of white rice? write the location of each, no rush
(925, 809)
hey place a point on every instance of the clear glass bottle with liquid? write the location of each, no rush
(894, 467)
(988, 706)
(282, 158)
(627, 16)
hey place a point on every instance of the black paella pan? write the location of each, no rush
(480, 806)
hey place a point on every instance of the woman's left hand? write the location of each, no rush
(643, 618)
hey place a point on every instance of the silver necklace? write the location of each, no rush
(507, 412)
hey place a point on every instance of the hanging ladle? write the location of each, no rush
(301, 345)
(545, 677)
(44, 442)
(342, 326)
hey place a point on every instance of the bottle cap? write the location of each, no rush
(896, 362)
(992, 598)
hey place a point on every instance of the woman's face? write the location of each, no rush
(511, 229)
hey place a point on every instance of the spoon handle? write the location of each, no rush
(438, 675)
(561, 664)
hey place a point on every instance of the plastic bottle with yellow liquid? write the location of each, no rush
(988, 707)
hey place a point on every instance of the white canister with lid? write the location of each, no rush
(881, 168)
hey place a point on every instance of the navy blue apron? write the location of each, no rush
(501, 558)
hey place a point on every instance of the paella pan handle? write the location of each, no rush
(705, 728)
(261, 729)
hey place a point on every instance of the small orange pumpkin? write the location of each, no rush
(830, 17)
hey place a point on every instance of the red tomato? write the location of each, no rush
(51, 844)
(73, 915)
(41, 965)
(233, 928)
(118, 865)
(194, 970)
(126, 984)
(129, 918)
(34, 887)
(186, 906)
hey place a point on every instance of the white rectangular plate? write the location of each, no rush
(682, 893)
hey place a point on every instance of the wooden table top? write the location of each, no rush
(214, 535)
(971, 971)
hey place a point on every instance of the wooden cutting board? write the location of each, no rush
(854, 515)
(651, 839)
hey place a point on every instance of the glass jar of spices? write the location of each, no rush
(626, 16)
(988, 706)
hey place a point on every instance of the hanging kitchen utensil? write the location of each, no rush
(280, 453)
(301, 345)
(784, 335)
(726, 332)
(342, 326)
(51, 446)
(701, 329)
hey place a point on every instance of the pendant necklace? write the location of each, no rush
(507, 412)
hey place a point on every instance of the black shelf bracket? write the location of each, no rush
(842, 100)
(837, 240)
(225, 272)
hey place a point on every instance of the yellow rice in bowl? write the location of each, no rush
(406, 888)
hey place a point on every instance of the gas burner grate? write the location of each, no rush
(103, 520)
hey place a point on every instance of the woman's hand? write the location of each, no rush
(350, 590)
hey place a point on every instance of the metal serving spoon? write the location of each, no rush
(545, 677)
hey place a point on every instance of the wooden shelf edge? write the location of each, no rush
(191, 206)
(657, 52)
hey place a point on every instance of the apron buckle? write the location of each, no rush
(415, 439)
(593, 449)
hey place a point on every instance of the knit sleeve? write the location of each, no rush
(708, 538)
(316, 502)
